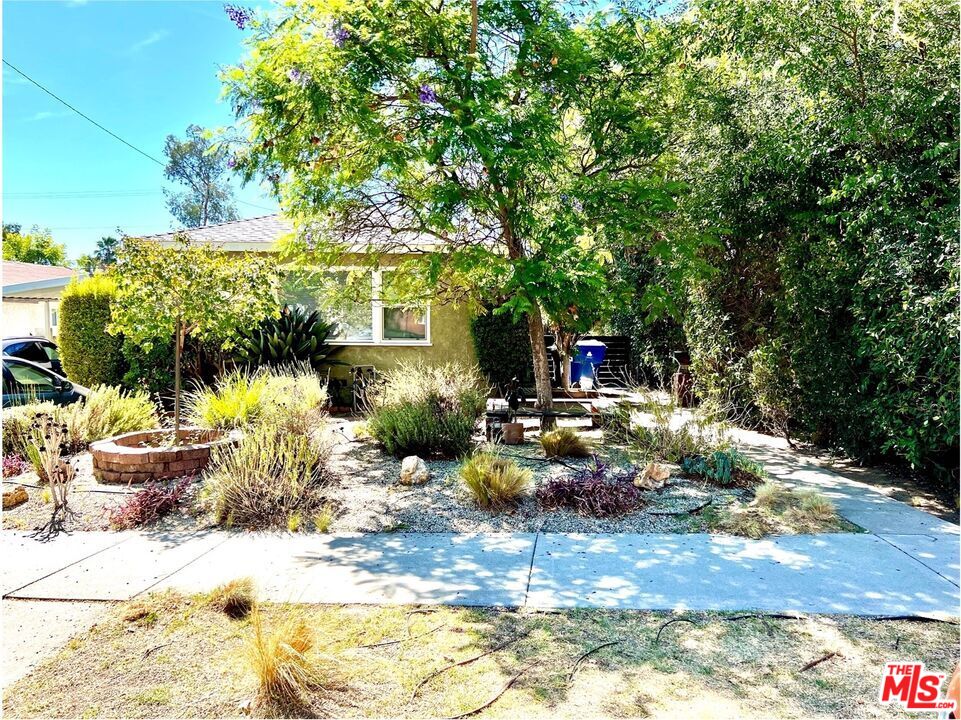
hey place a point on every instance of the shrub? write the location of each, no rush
(427, 410)
(292, 398)
(147, 505)
(283, 661)
(593, 490)
(669, 438)
(503, 348)
(297, 336)
(90, 355)
(235, 599)
(109, 411)
(269, 477)
(494, 482)
(564, 442)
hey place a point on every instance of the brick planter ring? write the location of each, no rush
(122, 459)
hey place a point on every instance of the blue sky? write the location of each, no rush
(142, 69)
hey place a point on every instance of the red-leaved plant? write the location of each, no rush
(147, 505)
(14, 465)
(593, 490)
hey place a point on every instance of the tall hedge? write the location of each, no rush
(90, 355)
(503, 348)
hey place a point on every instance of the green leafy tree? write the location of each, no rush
(36, 246)
(823, 147)
(200, 165)
(521, 145)
(189, 290)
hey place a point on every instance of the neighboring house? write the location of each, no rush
(373, 333)
(31, 298)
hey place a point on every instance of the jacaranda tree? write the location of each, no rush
(521, 144)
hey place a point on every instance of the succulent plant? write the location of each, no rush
(296, 336)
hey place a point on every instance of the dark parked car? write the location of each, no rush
(37, 350)
(26, 382)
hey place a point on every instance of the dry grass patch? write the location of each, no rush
(779, 510)
(367, 661)
(237, 598)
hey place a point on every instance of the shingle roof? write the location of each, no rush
(15, 273)
(265, 229)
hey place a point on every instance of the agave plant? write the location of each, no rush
(295, 336)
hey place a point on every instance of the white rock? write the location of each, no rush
(413, 471)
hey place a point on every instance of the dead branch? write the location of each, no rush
(468, 661)
(500, 692)
(152, 649)
(820, 660)
(657, 638)
(689, 511)
(401, 640)
(584, 656)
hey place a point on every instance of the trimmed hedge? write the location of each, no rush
(503, 348)
(90, 355)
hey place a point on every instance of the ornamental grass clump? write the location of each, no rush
(427, 410)
(494, 482)
(285, 661)
(594, 490)
(291, 397)
(564, 442)
(269, 477)
(236, 599)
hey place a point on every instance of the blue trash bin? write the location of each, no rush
(589, 356)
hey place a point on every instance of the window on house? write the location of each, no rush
(400, 322)
(359, 301)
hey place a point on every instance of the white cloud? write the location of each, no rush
(46, 115)
(152, 38)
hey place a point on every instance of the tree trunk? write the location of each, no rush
(542, 371)
(178, 345)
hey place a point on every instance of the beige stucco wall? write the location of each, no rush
(450, 341)
(28, 317)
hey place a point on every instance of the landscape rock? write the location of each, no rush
(413, 471)
(654, 476)
(15, 498)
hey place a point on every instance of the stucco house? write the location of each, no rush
(372, 332)
(31, 298)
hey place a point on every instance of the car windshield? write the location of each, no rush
(31, 379)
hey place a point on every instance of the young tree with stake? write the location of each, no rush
(189, 289)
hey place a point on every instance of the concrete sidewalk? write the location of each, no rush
(906, 564)
(837, 573)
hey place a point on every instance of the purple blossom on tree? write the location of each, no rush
(339, 35)
(231, 163)
(239, 16)
(427, 94)
(296, 75)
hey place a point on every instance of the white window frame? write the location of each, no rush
(377, 307)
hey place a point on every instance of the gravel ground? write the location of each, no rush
(89, 499)
(369, 499)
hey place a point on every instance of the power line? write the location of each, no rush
(85, 117)
(109, 132)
